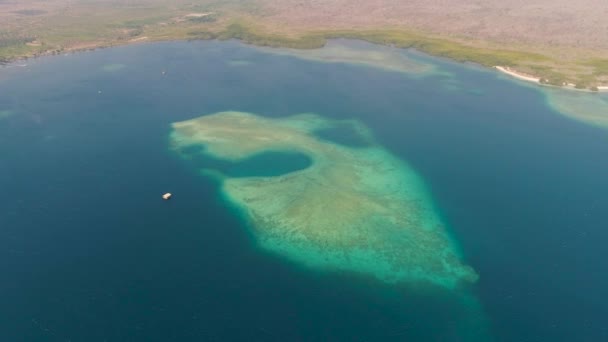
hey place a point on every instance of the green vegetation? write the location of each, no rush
(585, 82)
(94, 24)
(441, 47)
(401, 39)
(12, 45)
(254, 37)
(8, 40)
(549, 76)
(600, 66)
(535, 63)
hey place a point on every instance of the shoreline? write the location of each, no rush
(537, 80)
(518, 75)
(144, 39)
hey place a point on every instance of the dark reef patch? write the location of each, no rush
(267, 164)
(343, 134)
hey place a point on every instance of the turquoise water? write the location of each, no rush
(90, 252)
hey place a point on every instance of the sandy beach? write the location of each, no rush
(530, 78)
(518, 75)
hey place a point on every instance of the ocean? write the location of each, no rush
(90, 252)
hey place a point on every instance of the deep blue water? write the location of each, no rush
(89, 251)
(266, 164)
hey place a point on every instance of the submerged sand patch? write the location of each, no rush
(591, 108)
(354, 209)
(360, 53)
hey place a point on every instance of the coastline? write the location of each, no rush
(518, 75)
(537, 80)
(246, 38)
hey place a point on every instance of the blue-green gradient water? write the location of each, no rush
(90, 252)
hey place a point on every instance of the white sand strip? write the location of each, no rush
(518, 75)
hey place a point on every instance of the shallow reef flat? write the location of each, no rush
(588, 107)
(354, 209)
(360, 53)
